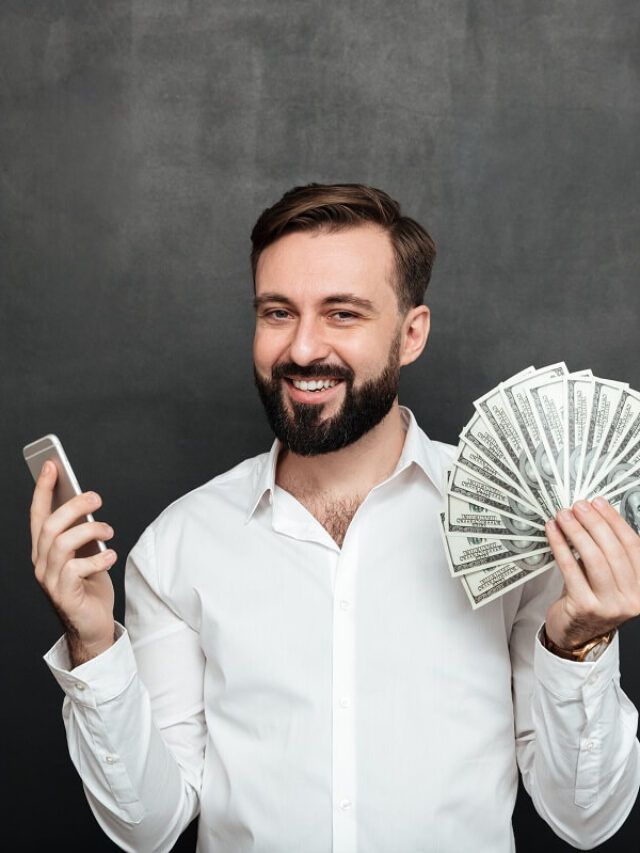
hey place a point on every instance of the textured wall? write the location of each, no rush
(140, 139)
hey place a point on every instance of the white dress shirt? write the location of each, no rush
(305, 698)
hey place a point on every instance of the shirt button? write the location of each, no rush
(589, 745)
(345, 805)
(344, 702)
(344, 604)
(109, 759)
(79, 686)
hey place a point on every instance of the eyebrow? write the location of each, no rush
(334, 299)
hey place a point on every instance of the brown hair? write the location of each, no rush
(337, 206)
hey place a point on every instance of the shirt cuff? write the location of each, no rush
(568, 679)
(97, 680)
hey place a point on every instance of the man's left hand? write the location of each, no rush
(602, 587)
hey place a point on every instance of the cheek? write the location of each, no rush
(265, 351)
(367, 357)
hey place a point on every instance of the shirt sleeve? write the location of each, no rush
(134, 717)
(576, 741)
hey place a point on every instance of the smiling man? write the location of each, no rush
(330, 340)
(297, 666)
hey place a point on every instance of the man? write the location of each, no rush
(298, 667)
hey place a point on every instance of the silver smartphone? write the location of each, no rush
(50, 447)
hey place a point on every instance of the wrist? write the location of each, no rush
(81, 651)
(585, 651)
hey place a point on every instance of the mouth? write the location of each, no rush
(312, 390)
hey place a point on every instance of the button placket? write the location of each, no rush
(343, 740)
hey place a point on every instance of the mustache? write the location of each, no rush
(311, 371)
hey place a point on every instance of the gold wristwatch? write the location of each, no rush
(581, 652)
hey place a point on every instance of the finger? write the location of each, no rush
(623, 530)
(41, 503)
(84, 567)
(612, 549)
(65, 545)
(64, 517)
(596, 567)
(75, 571)
(576, 584)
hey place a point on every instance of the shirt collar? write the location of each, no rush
(418, 449)
(264, 479)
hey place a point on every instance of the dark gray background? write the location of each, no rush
(139, 143)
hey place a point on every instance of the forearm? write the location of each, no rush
(139, 793)
(582, 764)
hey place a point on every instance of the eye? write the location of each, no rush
(344, 316)
(276, 314)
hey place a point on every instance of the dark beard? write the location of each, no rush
(363, 408)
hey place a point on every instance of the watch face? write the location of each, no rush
(592, 651)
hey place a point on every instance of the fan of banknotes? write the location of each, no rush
(536, 443)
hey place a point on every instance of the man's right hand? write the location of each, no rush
(79, 588)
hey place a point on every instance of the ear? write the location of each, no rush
(415, 331)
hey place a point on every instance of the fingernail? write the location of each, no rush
(601, 503)
(582, 506)
(47, 468)
(551, 526)
(109, 556)
(93, 497)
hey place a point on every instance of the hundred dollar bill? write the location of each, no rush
(515, 395)
(620, 478)
(471, 460)
(496, 413)
(627, 448)
(627, 502)
(463, 516)
(488, 584)
(469, 486)
(579, 397)
(469, 554)
(624, 419)
(547, 404)
(622, 471)
(630, 431)
(484, 441)
(607, 396)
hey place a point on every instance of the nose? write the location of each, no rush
(309, 343)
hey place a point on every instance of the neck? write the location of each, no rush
(352, 471)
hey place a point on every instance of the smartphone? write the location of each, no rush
(49, 447)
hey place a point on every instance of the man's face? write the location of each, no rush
(327, 314)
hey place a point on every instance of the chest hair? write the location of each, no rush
(333, 513)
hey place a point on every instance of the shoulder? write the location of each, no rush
(222, 500)
(441, 455)
(195, 536)
(445, 451)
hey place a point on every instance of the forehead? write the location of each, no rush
(307, 264)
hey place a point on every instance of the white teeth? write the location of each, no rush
(314, 385)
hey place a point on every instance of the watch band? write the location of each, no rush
(579, 654)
